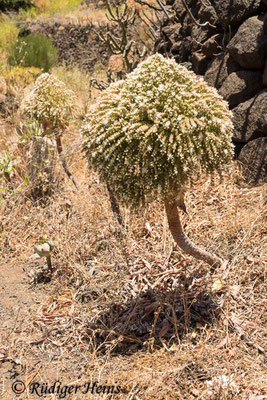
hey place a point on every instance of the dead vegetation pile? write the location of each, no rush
(125, 307)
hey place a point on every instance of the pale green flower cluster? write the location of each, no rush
(157, 130)
(50, 102)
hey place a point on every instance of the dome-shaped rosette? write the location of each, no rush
(50, 102)
(158, 129)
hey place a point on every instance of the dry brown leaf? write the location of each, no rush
(151, 307)
(165, 328)
(31, 377)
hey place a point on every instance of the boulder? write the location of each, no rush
(213, 45)
(219, 69)
(250, 118)
(200, 63)
(207, 13)
(240, 86)
(199, 36)
(253, 158)
(172, 32)
(249, 45)
(232, 12)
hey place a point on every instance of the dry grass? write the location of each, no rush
(126, 307)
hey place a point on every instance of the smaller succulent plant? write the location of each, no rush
(44, 248)
(51, 103)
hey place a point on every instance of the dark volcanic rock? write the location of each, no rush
(219, 69)
(253, 157)
(207, 13)
(249, 45)
(200, 63)
(172, 32)
(250, 118)
(240, 86)
(232, 56)
(232, 12)
(212, 46)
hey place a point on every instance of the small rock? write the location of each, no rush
(207, 13)
(2, 98)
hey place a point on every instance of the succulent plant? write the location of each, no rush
(154, 133)
(53, 105)
(44, 248)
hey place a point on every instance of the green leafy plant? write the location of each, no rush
(33, 50)
(7, 165)
(154, 133)
(29, 129)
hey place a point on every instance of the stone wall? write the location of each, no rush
(231, 53)
(76, 44)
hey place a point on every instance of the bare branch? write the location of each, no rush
(193, 18)
(146, 3)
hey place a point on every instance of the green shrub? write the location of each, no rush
(33, 50)
(8, 33)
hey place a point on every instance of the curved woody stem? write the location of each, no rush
(182, 239)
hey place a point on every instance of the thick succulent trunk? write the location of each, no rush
(182, 239)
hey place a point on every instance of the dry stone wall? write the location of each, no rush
(76, 44)
(231, 53)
